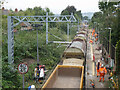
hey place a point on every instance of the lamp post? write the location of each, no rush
(109, 41)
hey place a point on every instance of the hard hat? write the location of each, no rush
(32, 86)
(102, 65)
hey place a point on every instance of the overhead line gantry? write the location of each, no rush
(16, 20)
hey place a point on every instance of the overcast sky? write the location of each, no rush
(56, 6)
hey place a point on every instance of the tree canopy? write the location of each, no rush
(68, 10)
(71, 9)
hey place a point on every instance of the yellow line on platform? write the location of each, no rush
(93, 65)
(91, 52)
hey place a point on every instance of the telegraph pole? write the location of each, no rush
(46, 27)
(36, 27)
(37, 48)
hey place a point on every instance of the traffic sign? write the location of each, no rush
(23, 68)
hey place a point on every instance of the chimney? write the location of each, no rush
(3, 8)
(16, 10)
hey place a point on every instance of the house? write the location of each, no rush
(5, 11)
(25, 26)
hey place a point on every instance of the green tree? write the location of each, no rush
(79, 14)
(10, 78)
(85, 18)
(47, 10)
(70, 9)
(65, 12)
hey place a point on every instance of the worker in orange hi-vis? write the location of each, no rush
(102, 72)
(91, 41)
(96, 35)
(98, 67)
(93, 32)
(96, 39)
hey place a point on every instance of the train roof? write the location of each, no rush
(82, 35)
(73, 62)
(76, 48)
(73, 51)
(82, 32)
(79, 38)
(77, 44)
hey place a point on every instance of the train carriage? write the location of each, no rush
(76, 50)
(73, 60)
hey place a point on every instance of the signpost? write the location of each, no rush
(23, 68)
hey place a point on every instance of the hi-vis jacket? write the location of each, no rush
(102, 70)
